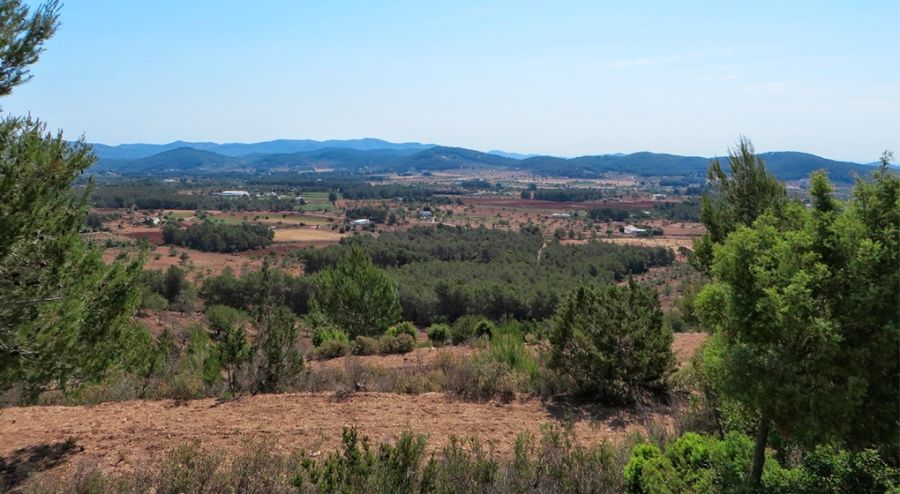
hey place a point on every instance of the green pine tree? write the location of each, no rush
(64, 314)
(356, 296)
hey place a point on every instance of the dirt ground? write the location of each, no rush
(120, 436)
(307, 235)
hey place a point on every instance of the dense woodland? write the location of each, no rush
(212, 236)
(447, 272)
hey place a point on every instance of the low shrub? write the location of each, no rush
(439, 333)
(325, 333)
(365, 345)
(552, 462)
(331, 343)
(698, 463)
(332, 349)
(463, 329)
(401, 343)
(485, 328)
(404, 327)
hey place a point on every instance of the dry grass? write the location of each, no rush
(306, 235)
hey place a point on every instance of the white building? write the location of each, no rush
(633, 230)
(561, 215)
(426, 215)
(362, 221)
(235, 193)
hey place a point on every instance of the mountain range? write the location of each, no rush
(378, 156)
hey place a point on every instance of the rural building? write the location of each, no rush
(633, 230)
(235, 193)
(659, 197)
(426, 215)
(151, 220)
(362, 221)
(561, 215)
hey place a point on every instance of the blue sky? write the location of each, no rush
(563, 78)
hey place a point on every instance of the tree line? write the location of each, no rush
(213, 236)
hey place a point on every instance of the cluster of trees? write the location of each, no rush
(447, 272)
(212, 236)
(609, 214)
(679, 211)
(389, 191)
(480, 184)
(565, 195)
(802, 306)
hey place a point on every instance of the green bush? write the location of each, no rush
(463, 329)
(485, 328)
(325, 333)
(401, 343)
(439, 333)
(365, 345)
(223, 318)
(700, 464)
(404, 327)
(611, 341)
(331, 343)
(333, 349)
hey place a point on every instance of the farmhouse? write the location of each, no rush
(633, 230)
(561, 215)
(235, 193)
(362, 221)
(659, 197)
(426, 215)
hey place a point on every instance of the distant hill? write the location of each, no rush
(183, 159)
(515, 156)
(280, 146)
(377, 156)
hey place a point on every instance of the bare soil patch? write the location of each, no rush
(307, 235)
(120, 436)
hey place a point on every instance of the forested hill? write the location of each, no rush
(376, 156)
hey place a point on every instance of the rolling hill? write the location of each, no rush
(377, 156)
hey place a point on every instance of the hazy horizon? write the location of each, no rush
(519, 77)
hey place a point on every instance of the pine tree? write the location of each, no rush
(803, 306)
(734, 199)
(63, 313)
(356, 296)
(611, 341)
(276, 354)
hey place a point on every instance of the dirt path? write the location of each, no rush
(122, 435)
(541, 252)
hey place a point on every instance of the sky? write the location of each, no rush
(564, 78)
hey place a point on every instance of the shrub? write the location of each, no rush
(401, 343)
(439, 333)
(697, 463)
(463, 329)
(324, 333)
(365, 345)
(612, 341)
(333, 349)
(509, 349)
(485, 328)
(331, 343)
(404, 327)
(223, 318)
